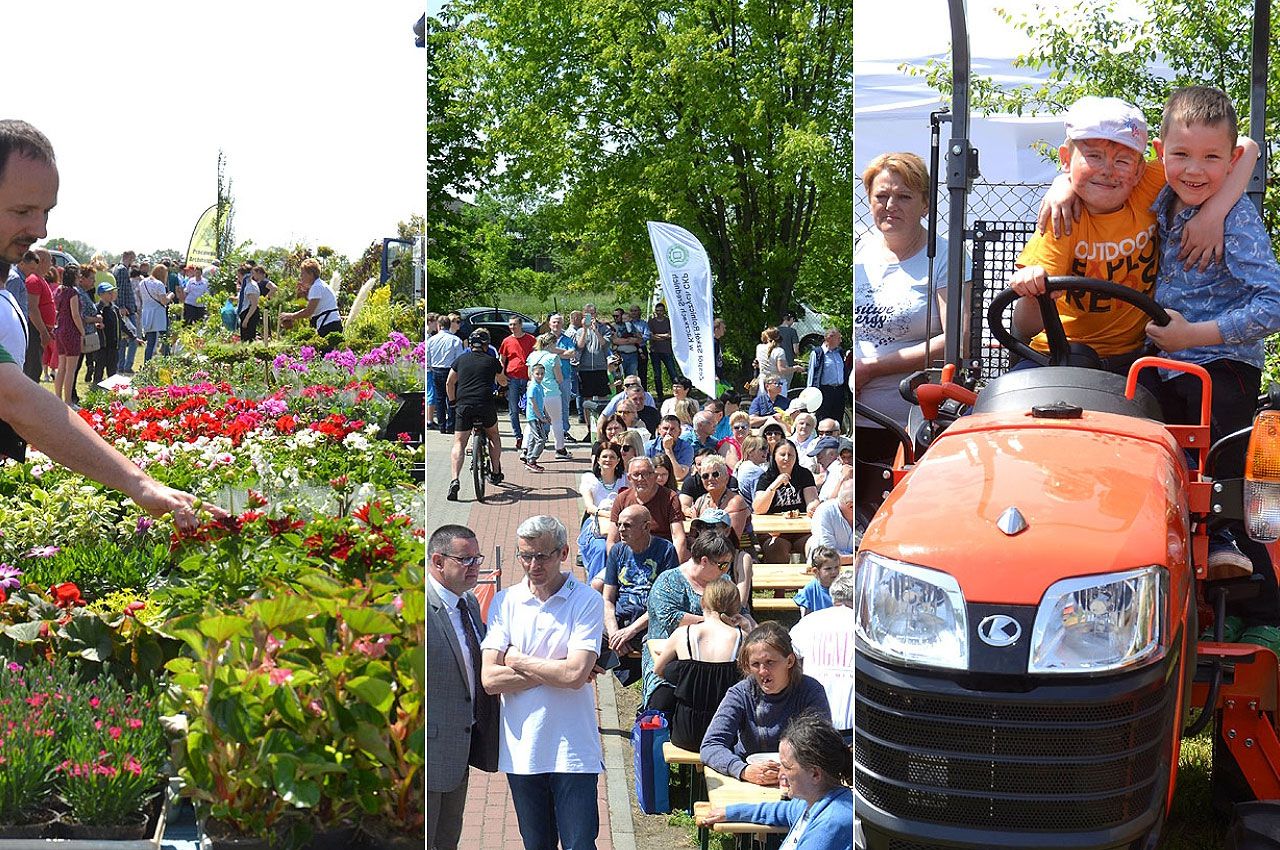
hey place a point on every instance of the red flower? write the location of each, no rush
(66, 594)
(133, 608)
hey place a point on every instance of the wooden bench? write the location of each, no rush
(689, 763)
(775, 605)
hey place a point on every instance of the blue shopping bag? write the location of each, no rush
(652, 782)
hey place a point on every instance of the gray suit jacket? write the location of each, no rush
(450, 713)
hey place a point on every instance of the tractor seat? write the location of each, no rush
(1089, 389)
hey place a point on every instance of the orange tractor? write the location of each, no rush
(1031, 594)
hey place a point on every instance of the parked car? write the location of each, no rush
(61, 259)
(494, 321)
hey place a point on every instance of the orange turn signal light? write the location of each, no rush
(1262, 479)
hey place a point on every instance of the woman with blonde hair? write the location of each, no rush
(730, 447)
(701, 662)
(771, 360)
(545, 352)
(685, 409)
(155, 308)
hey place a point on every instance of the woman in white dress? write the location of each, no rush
(155, 308)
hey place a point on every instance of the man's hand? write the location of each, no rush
(158, 499)
(620, 640)
(711, 816)
(1029, 281)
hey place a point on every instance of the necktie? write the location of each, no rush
(473, 643)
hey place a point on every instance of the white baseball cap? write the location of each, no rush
(1108, 118)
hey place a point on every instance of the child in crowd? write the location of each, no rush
(824, 563)
(107, 358)
(1221, 316)
(1115, 237)
(539, 419)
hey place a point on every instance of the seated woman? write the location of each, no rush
(613, 426)
(665, 473)
(718, 522)
(730, 448)
(714, 473)
(630, 445)
(685, 410)
(818, 767)
(598, 489)
(757, 709)
(755, 460)
(701, 661)
(676, 600)
(785, 486)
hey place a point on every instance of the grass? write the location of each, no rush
(1192, 824)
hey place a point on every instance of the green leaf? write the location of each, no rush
(24, 632)
(302, 793)
(372, 741)
(280, 610)
(367, 621)
(223, 628)
(375, 692)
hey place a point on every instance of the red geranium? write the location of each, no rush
(66, 595)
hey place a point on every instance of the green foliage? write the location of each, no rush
(101, 568)
(733, 122)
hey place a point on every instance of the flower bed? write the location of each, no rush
(284, 642)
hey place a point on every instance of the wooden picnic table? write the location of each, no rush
(781, 524)
(725, 791)
(779, 578)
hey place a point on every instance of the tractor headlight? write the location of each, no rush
(1100, 623)
(910, 614)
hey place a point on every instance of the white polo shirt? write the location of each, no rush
(546, 729)
(824, 639)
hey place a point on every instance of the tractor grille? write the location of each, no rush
(989, 762)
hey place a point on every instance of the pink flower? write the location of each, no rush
(134, 723)
(105, 770)
(14, 667)
(94, 702)
(115, 732)
(370, 646)
(132, 765)
(279, 675)
(315, 707)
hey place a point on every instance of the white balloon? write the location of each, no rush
(811, 397)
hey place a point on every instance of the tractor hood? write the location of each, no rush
(1099, 494)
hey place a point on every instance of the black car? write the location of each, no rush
(494, 321)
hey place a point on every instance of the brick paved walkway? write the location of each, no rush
(490, 821)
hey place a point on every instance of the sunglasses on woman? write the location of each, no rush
(710, 476)
(626, 448)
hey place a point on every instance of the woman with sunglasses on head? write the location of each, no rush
(785, 486)
(730, 447)
(599, 488)
(612, 427)
(755, 711)
(676, 600)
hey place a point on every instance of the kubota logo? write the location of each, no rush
(999, 630)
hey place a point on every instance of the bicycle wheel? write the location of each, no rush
(479, 461)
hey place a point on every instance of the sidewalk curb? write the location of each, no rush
(617, 763)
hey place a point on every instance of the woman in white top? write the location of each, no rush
(155, 305)
(598, 489)
(892, 293)
(193, 289)
(322, 304)
(771, 360)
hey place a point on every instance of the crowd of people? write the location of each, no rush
(667, 548)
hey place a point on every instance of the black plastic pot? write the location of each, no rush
(43, 824)
(124, 832)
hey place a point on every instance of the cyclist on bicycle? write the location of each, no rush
(470, 389)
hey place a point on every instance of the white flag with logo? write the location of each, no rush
(685, 273)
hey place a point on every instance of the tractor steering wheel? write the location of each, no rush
(1059, 347)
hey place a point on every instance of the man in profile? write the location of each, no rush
(28, 191)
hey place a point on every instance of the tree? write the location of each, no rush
(82, 251)
(1091, 48)
(224, 214)
(729, 117)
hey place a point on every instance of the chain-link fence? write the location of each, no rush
(999, 219)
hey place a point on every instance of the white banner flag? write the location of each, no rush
(686, 286)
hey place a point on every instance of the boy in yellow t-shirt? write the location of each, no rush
(1114, 239)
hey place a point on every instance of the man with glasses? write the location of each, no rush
(464, 719)
(764, 407)
(663, 506)
(629, 571)
(544, 638)
(667, 442)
